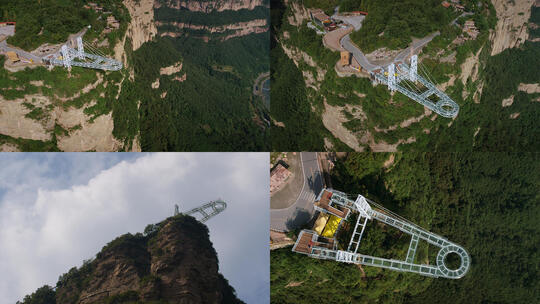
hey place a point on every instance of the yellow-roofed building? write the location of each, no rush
(331, 226)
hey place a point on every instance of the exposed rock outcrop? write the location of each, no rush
(333, 119)
(511, 29)
(204, 31)
(96, 135)
(141, 28)
(530, 88)
(300, 14)
(175, 68)
(470, 68)
(237, 29)
(13, 120)
(297, 57)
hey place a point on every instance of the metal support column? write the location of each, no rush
(414, 68)
(412, 249)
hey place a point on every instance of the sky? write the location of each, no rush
(58, 209)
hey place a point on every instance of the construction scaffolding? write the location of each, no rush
(309, 242)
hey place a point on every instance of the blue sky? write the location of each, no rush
(58, 209)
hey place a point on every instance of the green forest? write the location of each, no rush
(486, 202)
(213, 109)
(392, 23)
(290, 106)
(52, 21)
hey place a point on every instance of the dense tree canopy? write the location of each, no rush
(43, 295)
(392, 23)
(52, 21)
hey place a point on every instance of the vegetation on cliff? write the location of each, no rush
(213, 108)
(392, 23)
(295, 126)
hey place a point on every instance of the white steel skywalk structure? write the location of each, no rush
(68, 57)
(310, 243)
(206, 211)
(404, 79)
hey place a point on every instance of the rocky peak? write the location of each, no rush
(173, 261)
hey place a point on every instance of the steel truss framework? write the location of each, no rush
(208, 210)
(68, 57)
(365, 212)
(394, 76)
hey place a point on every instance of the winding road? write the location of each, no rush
(302, 210)
(356, 23)
(347, 44)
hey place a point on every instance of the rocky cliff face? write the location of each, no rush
(141, 28)
(236, 29)
(174, 263)
(511, 29)
(219, 25)
(209, 6)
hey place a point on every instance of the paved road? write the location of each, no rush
(347, 44)
(8, 30)
(302, 210)
(356, 23)
(4, 47)
(258, 84)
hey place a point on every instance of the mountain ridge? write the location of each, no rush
(171, 262)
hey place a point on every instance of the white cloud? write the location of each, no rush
(61, 222)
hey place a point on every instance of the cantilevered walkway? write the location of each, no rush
(313, 245)
(404, 78)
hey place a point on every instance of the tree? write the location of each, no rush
(44, 295)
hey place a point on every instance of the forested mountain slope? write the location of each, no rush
(208, 105)
(493, 76)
